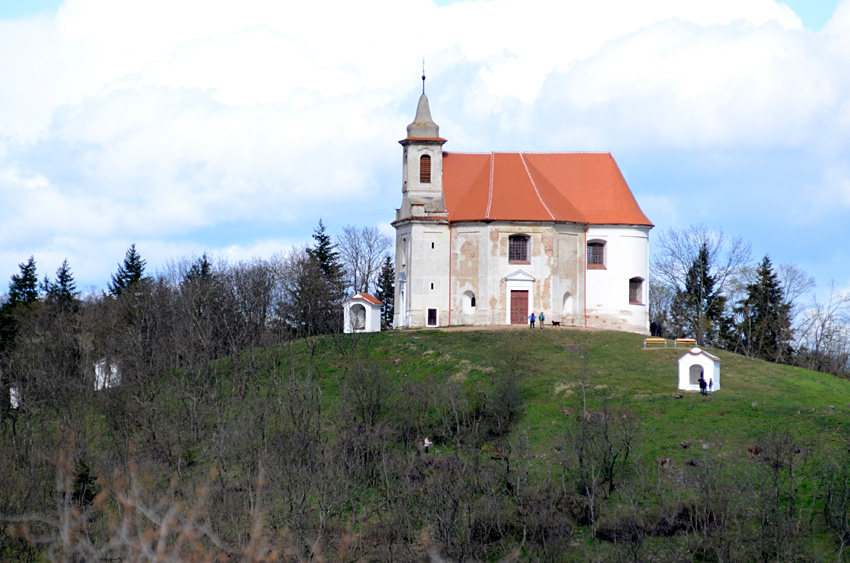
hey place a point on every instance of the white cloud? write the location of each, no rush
(158, 120)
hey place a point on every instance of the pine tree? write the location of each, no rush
(386, 292)
(698, 310)
(325, 253)
(23, 294)
(64, 289)
(328, 318)
(23, 289)
(201, 270)
(765, 318)
(129, 273)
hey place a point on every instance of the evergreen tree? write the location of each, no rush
(201, 270)
(23, 294)
(765, 318)
(64, 289)
(197, 284)
(23, 289)
(328, 317)
(325, 253)
(386, 292)
(129, 273)
(698, 310)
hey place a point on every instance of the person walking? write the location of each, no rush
(701, 386)
(710, 385)
(540, 318)
(531, 320)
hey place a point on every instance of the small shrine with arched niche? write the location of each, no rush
(695, 363)
(362, 313)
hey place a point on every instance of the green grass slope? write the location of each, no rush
(756, 396)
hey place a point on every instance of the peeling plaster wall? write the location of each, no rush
(480, 262)
(568, 279)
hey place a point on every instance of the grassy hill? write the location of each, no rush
(312, 450)
(620, 371)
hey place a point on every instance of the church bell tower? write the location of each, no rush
(422, 232)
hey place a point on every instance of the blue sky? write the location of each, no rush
(231, 128)
(20, 8)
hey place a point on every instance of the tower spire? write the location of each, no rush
(423, 126)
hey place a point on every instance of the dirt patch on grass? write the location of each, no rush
(564, 387)
(465, 367)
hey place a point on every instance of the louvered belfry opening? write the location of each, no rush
(425, 169)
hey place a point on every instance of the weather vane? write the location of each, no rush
(423, 76)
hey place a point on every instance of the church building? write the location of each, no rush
(489, 238)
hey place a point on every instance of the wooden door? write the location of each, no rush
(519, 307)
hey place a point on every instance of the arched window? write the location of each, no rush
(358, 313)
(595, 254)
(569, 305)
(518, 249)
(468, 302)
(425, 169)
(636, 291)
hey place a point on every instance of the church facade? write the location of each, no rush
(489, 238)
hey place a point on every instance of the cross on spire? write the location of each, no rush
(423, 76)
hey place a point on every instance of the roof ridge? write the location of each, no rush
(551, 191)
(490, 198)
(534, 185)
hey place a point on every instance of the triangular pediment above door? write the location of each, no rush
(519, 275)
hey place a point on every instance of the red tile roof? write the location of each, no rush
(365, 297)
(574, 187)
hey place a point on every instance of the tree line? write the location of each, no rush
(227, 307)
(706, 286)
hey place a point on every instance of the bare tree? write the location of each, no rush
(795, 283)
(701, 267)
(823, 334)
(678, 249)
(362, 251)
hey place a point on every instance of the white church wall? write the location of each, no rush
(626, 257)
(425, 262)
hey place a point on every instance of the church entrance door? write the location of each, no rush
(519, 307)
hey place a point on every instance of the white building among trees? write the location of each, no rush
(489, 238)
(361, 313)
